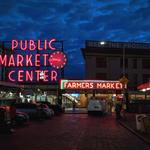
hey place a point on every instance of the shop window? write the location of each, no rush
(146, 63)
(101, 62)
(101, 76)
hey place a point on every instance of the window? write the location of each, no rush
(101, 62)
(101, 76)
(146, 77)
(134, 63)
(126, 63)
(146, 63)
(135, 79)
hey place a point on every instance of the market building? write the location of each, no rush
(111, 60)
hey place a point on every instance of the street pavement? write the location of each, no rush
(73, 132)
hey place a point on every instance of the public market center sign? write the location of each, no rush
(33, 59)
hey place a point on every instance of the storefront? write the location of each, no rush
(81, 91)
(9, 92)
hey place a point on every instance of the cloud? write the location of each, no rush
(75, 21)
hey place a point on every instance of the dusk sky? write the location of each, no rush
(75, 21)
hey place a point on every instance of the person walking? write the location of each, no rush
(118, 108)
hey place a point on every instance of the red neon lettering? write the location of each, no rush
(45, 44)
(37, 74)
(14, 44)
(104, 86)
(53, 75)
(39, 44)
(73, 85)
(68, 85)
(32, 45)
(98, 85)
(86, 85)
(45, 58)
(3, 60)
(19, 60)
(20, 75)
(37, 60)
(10, 77)
(28, 60)
(118, 86)
(112, 86)
(50, 44)
(11, 61)
(79, 85)
(29, 75)
(25, 44)
(108, 85)
(91, 85)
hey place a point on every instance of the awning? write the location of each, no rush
(144, 87)
(10, 84)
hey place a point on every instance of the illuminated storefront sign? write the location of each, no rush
(91, 84)
(26, 57)
(144, 87)
(109, 44)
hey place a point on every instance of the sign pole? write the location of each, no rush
(59, 92)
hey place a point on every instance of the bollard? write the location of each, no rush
(140, 123)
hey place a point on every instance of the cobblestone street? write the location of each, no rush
(73, 132)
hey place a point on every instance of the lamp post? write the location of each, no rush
(123, 71)
(59, 92)
(124, 80)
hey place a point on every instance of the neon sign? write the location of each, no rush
(91, 84)
(32, 45)
(50, 57)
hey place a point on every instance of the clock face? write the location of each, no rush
(58, 60)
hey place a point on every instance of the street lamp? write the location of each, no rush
(59, 92)
(102, 43)
(124, 80)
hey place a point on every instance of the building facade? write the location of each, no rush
(110, 60)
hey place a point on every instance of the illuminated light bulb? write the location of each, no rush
(102, 43)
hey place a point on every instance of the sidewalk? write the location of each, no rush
(129, 122)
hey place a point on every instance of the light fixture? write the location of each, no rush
(102, 43)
